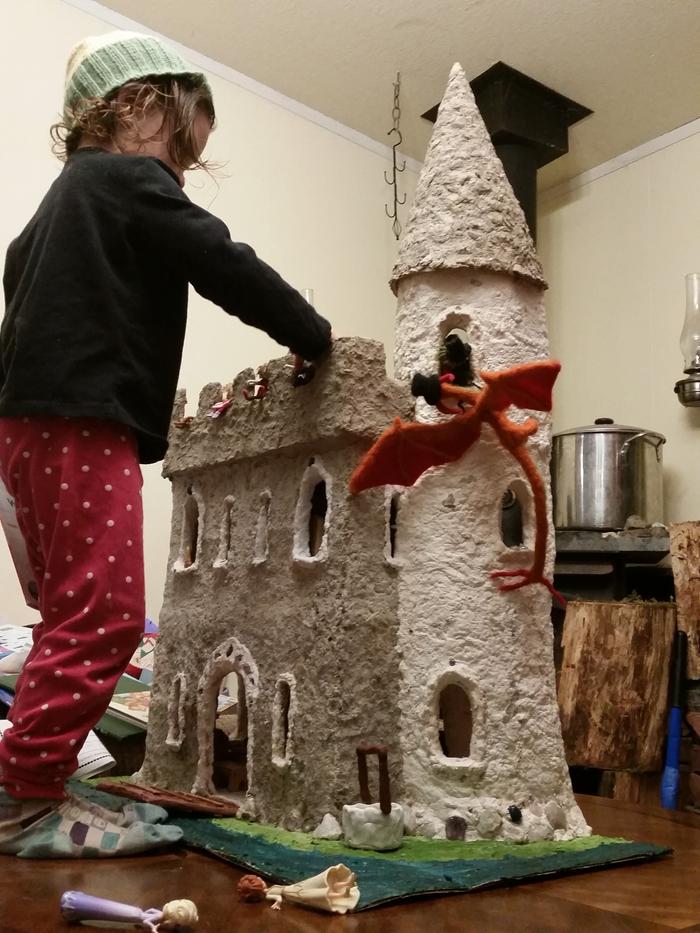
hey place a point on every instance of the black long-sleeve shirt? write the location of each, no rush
(96, 296)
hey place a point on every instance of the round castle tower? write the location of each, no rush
(475, 662)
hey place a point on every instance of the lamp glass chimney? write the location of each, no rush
(690, 335)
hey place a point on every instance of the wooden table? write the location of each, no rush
(661, 895)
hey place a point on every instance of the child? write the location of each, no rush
(90, 346)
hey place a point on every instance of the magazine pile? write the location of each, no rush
(132, 695)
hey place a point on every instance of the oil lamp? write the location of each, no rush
(688, 390)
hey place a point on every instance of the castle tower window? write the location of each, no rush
(511, 519)
(262, 539)
(224, 555)
(176, 713)
(190, 536)
(454, 349)
(317, 517)
(312, 517)
(191, 529)
(393, 507)
(455, 721)
(515, 515)
(282, 720)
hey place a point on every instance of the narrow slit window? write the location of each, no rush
(281, 722)
(176, 713)
(226, 534)
(190, 530)
(455, 721)
(317, 517)
(227, 531)
(511, 519)
(262, 530)
(393, 522)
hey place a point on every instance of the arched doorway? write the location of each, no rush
(224, 721)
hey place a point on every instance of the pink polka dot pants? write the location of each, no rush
(77, 489)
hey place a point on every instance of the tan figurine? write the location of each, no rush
(335, 890)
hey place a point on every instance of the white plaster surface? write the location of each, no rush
(328, 828)
(366, 827)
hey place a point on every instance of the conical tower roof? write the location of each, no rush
(465, 215)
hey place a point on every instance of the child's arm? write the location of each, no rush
(187, 238)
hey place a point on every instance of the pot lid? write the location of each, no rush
(608, 426)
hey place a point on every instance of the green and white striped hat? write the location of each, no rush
(100, 65)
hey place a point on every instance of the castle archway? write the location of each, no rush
(225, 747)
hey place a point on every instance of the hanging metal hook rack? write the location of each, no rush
(395, 168)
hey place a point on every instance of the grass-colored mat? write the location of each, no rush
(420, 867)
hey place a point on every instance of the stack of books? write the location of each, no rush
(93, 757)
(128, 711)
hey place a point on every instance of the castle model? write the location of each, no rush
(344, 619)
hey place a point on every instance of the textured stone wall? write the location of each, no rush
(328, 626)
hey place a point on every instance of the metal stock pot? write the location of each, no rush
(604, 473)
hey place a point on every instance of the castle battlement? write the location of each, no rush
(350, 398)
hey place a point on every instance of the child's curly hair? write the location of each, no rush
(179, 99)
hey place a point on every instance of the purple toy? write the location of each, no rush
(77, 907)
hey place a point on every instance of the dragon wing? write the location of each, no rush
(407, 449)
(526, 386)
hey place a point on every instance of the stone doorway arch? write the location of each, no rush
(231, 656)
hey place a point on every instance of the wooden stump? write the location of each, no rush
(613, 688)
(642, 788)
(685, 561)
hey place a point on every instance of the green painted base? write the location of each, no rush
(420, 867)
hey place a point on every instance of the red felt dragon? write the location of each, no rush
(406, 450)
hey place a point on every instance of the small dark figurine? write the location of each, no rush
(455, 357)
(515, 813)
(455, 361)
(304, 374)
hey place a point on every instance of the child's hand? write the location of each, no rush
(299, 363)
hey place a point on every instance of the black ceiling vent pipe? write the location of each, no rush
(528, 124)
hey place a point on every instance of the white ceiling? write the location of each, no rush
(636, 63)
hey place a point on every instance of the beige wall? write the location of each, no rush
(616, 252)
(307, 199)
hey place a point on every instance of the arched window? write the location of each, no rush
(454, 721)
(317, 517)
(191, 532)
(311, 520)
(282, 720)
(176, 713)
(515, 522)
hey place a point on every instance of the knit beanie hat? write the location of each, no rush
(100, 65)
